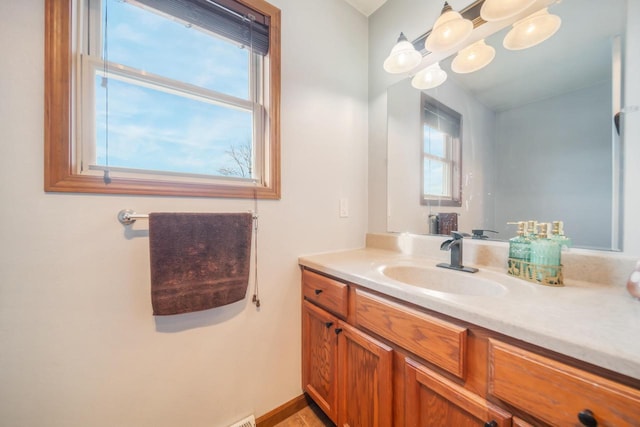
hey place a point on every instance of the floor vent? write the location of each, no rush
(247, 422)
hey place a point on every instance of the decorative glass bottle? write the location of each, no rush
(545, 258)
(519, 253)
(557, 235)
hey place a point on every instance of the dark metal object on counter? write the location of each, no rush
(455, 246)
(479, 233)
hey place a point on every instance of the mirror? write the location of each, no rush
(538, 134)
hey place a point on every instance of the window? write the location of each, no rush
(441, 154)
(167, 97)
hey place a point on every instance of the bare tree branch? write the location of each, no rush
(241, 158)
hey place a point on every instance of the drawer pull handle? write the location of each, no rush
(491, 423)
(587, 419)
(318, 291)
(338, 330)
(328, 324)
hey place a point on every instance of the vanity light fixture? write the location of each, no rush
(498, 10)
(430, 77)
(473, 57)
(532, 30)
(450, 30)
(403, 57)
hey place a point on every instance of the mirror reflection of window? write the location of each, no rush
(441, 154)
(437, 163)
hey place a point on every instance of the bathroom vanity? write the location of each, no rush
(388, 339)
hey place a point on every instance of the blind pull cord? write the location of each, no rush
(105, 83)
(256, 291)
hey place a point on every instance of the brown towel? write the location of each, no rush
(447, 222)
(198, 261)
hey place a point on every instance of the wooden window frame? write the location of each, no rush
(59, 169)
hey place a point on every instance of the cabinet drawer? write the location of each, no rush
(325, 292)
(433, 400)
(554, 392)
(437, 341)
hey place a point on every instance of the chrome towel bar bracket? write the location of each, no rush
(128, 216)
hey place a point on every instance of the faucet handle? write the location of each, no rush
(457, 235)
(479, 233)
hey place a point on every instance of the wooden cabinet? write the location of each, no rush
(320, 358)
(432, 400)
(364, 380)
(345, 371)
(556, 393)
(441, 343)
(372, 361)
(325, 292)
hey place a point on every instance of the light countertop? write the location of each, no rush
(598, 323)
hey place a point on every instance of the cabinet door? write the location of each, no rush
(433, 400)
(365, 380)
(320, 357)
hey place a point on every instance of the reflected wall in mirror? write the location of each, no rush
(538, 134)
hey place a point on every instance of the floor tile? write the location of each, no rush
(310, 416)
(314, 417)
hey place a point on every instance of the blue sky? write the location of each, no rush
(150, 129)
(434, 170)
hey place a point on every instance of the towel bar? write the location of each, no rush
(129, 216)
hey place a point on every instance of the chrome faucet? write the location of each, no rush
(455, 246)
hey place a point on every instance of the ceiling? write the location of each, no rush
(577, 56)
(366, 7)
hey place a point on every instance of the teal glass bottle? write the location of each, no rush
(531, 231)
(557, 235)
(545, 257)
(519, 252)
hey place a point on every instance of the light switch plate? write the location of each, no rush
(344, 207)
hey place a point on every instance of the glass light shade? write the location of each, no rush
(449, 30)
(430, 77)
(497, 10)
(403, 57)
(472, 58)
(532, 30)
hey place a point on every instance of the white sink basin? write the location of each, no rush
(442, 280)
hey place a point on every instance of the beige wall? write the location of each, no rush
(78, 343)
